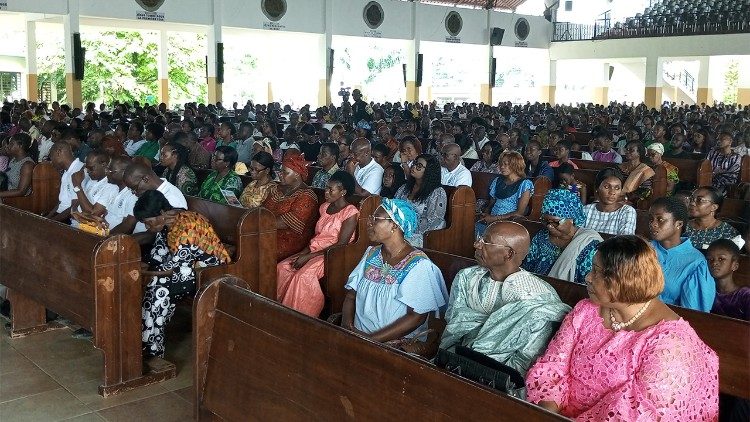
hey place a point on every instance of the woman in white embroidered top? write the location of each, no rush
(609, 214)
(394, 287)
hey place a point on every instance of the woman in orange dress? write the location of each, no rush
(298, 285)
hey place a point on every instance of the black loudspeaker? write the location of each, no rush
(493, 72)
(79, 57)
(496, 36)
(420, 57)
(404, 67)
(611, 71)
(331, 56)
(219, 62)
(206, 67)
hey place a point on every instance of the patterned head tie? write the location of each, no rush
(265, 145)
(402, 213)
(296, 163)
(563, 203)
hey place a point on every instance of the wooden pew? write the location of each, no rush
(257, 360)
(696, 172)
(659, 181)
(458, 235)
(250, 235)
(745, 169)
(729, 338)
(90, 280)
(45, 187)
(481, 182)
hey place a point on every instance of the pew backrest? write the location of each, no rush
(255, 359)
(696, 172)
(458, 235)
(45, 187)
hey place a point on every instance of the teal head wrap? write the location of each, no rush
(563, 203)
(402, 213)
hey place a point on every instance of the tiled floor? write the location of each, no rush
(53, 377)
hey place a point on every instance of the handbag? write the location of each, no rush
(483, 369)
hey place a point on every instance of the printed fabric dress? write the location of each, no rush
(385, 292)
(298, 210)
(254, 194)
(189, 243)
(186, 180)
(300, 289)
(212, 187)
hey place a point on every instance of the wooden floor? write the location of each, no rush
(54, 377)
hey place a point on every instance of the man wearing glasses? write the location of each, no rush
(140, 178)
(498, 309)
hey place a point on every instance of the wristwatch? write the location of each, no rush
(76, 189)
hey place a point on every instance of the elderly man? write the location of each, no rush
(367, 173)
(498, 309)
(453, 173)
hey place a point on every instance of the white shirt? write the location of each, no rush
(67, 195)
(98, 192)
(131, 147)
(173, 195)
(45, 145)
(369, 177)
(120, 207)
(482, 142)
(460, 176)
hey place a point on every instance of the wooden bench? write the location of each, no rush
(729, 338)
(481, 182)
(255, 359)
(250, 237)
(45, 187)
(695, 172)
(458, 234)
(659, 181)
(90, 280)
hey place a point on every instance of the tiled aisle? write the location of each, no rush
(52, 377)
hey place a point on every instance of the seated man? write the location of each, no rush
(95, 196)
(454, 173)
(61, 155)
(497, 308)
(140, 178)
(366, 171)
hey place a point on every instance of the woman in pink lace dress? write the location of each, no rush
(623, 354)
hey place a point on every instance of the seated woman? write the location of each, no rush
(262, 175)
(565, 179)
(22, 152)
(222, 184)
(425, 193)
(298, 277)
(609, 214)
(184, 241)
(688, 281)
(498, 309)
(704, 228)
(393, 179)
(623, 354)
(409, 149)
(177, 171)
(637, 174)
(655, 153)
(563, 249)
(489, 157)
(294, 205)
(510, 193)
(394, 287)
(723, 258)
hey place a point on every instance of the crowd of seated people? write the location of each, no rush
(127, 169)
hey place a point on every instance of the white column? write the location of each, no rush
(743, 85)
(654, 81)
(548, 91)
(163, 70)
(704, 93)
(601, 90)
(71, 25)
(214, 37)
(324, 48)
(485, 86)
(32, 79)
(412, 90)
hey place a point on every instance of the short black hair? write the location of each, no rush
(345, 179)
(382, 148)
(605, 174)
(333, 148)
(675, 207)
(726, 245)
(230, 155)
(150, 205)
(156, 129)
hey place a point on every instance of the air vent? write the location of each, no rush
(273, 9)
(150, 5)
(569, 6)
(454, 23)
(373, 14)
(522, 29)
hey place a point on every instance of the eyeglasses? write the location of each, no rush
(216, 158)
(257, 170)
(699, 200)
(419, 166)
(138, 185)
(499, 245)
(551, 222)
(373, 217)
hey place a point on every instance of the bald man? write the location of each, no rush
(367, 173)
(497, 308)
(453, 173)
(62, 158)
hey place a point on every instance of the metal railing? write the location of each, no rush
(684, 79)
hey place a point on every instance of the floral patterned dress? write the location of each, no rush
(212, 187)
(189, 243)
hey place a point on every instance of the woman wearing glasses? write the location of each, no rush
(174, 157)
(394, 287)
(563, 249)
(623, 354)
(704, 227)
(262, 175)
(222, 183)
(425, 193)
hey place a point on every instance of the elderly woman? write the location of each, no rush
(704, 228)
(637, 174)
(623, 354)
(223, 184)
(294, 205)
(184, 241)
(298, 277)
(22, 152)
(609, 214)
(510, 193)
(425, 193)
(655, 152)
(262, 175)
(174, 157)
(688, 281)
(394, 287)
(563, 249)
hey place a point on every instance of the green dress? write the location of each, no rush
(212, 187)
(149, 150)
